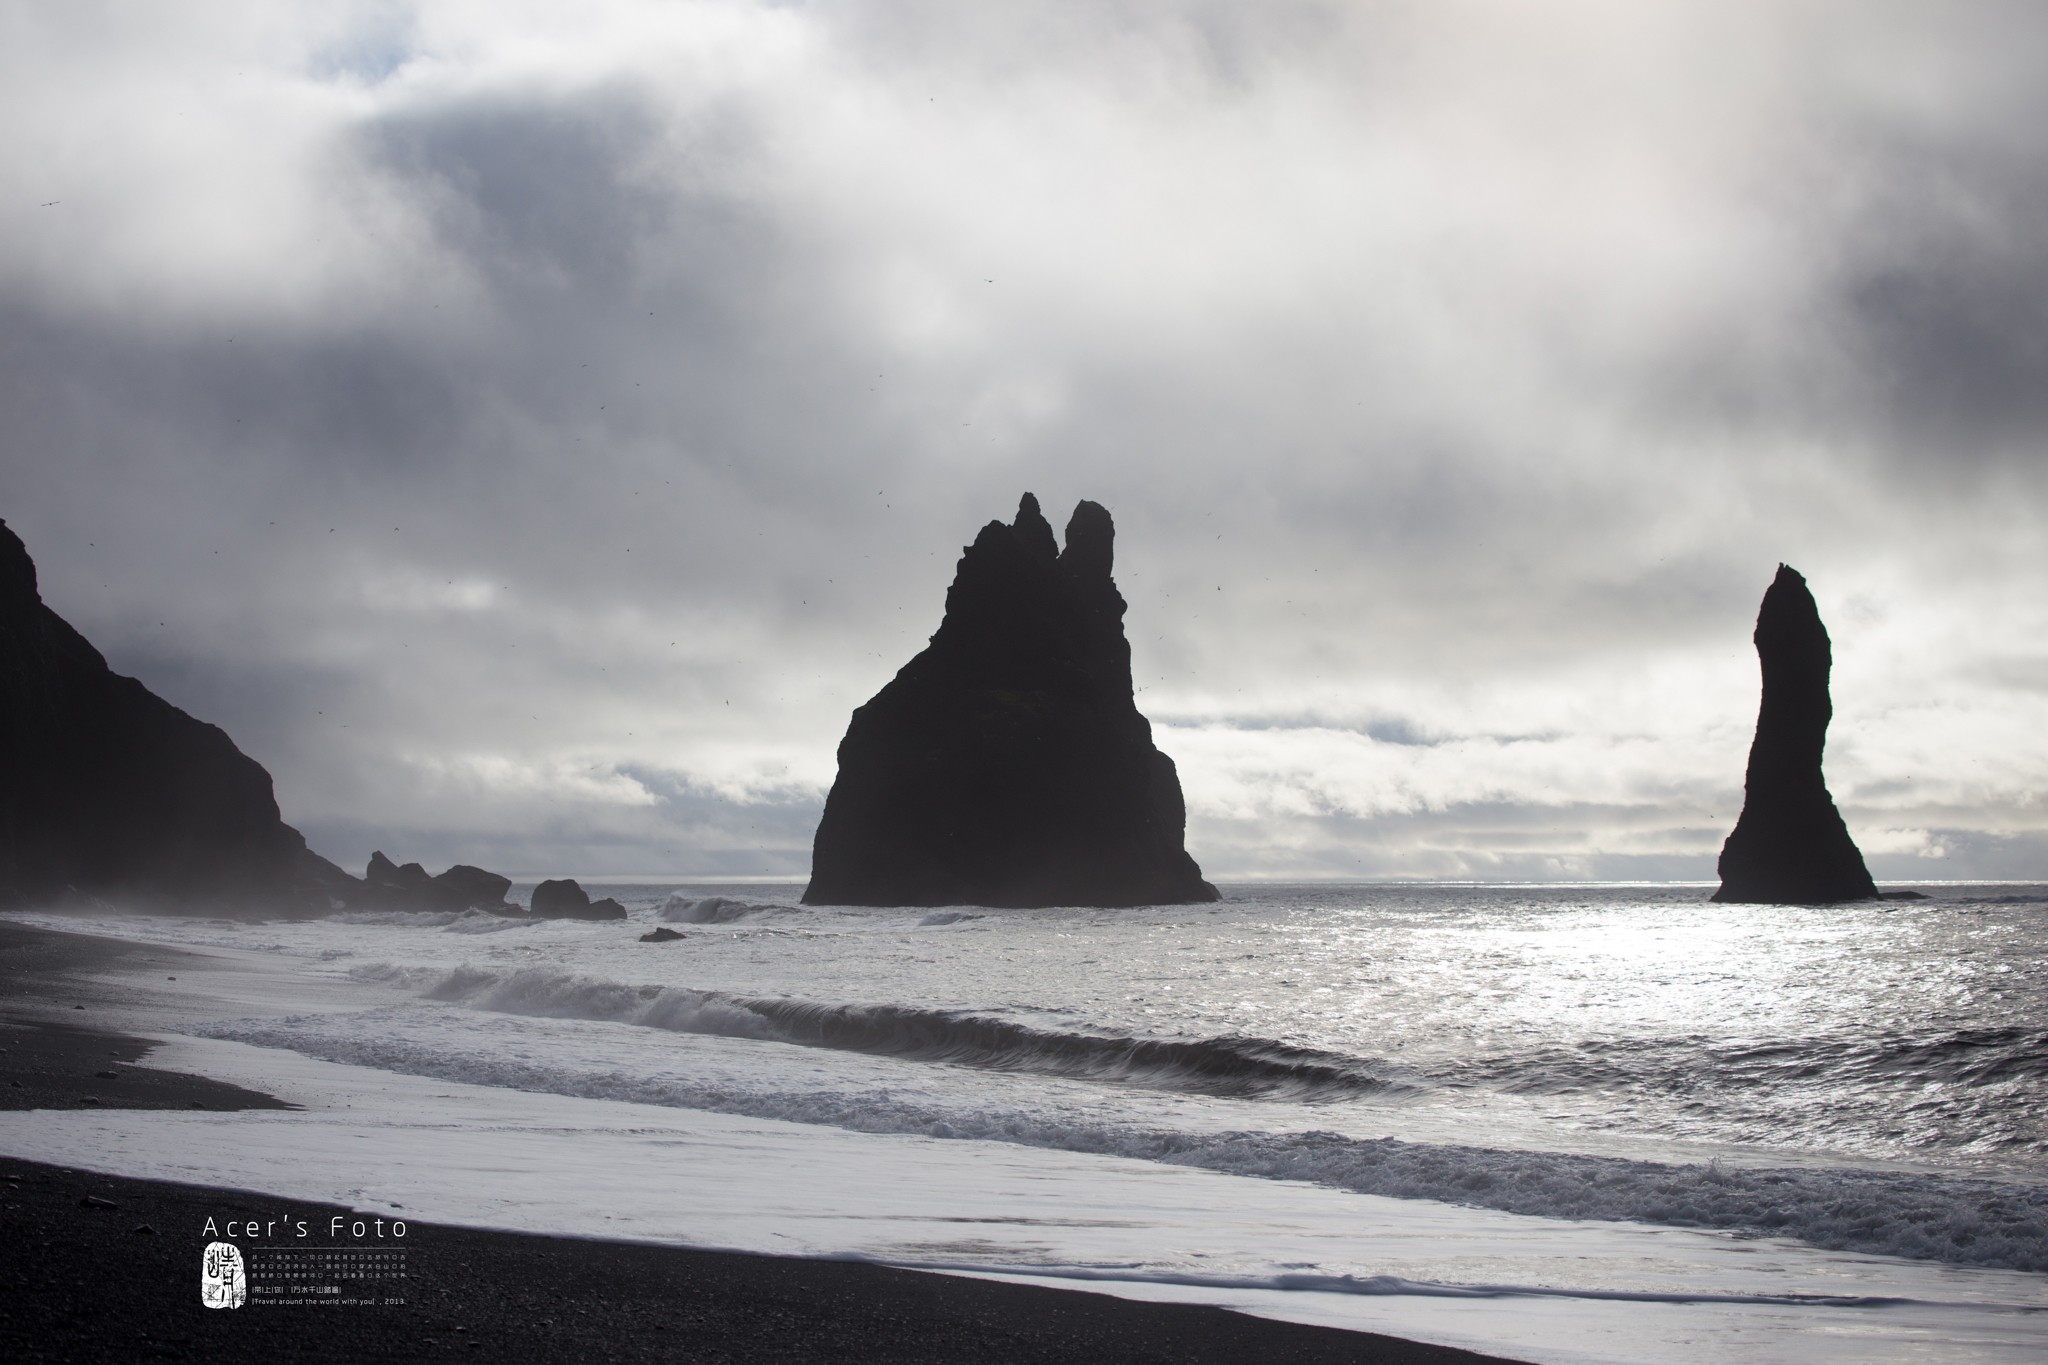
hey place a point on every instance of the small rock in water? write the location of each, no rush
(663, 935)
(463, 887)
(145, 1229)
(106, 1075)
(93, 1201)
(564, 899)
(560, 897)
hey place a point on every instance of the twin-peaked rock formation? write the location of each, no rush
(1007, 764)
(1790, 846)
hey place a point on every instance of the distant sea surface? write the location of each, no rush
(1866, 1078)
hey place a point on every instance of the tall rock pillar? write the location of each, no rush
(1790, 846)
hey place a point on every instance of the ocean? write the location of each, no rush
(1564, 1123)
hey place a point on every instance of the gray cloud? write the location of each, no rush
(531, 440)
(1954, 344)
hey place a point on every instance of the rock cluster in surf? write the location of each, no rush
(1790, 846)
(111, 791)
(393, 886)
(1007, 764)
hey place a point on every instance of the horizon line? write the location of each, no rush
(765, 879)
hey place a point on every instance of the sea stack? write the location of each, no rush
(1790, 846)
(108, 790)
(1007, 764)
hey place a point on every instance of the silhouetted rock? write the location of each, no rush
(1790, 846)
(385, 881)
(389, 886)
(1007, 763)
(563, 897)
(661, 936)
(463, 887)
(108, 790)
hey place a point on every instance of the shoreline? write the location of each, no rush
(88, 1283)
(117, 1280)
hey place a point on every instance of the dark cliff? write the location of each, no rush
(1007, 764)
(108, 790)
(1790, 846)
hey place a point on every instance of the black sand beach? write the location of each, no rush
(102, 1268)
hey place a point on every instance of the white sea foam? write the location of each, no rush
(1219, 1066)
(1940, 1218)
(1555, 1292)
(404, 919)
(682, 909)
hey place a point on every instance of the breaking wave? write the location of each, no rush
(1975, 1089)
(1959, 1221)
(1968, 1057)
(1228, 1066)
(681, 909)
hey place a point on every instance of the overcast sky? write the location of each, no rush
(531, 429)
